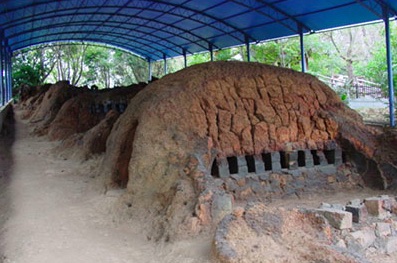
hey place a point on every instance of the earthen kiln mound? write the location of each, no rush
(192, 144)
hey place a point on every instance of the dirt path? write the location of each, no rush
(50, 213)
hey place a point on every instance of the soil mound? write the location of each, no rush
(193, 143)
(51, 103)
(94, 140)
(73, 117)
(61, 110)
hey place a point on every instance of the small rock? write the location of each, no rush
(221, 206)
(391, 245)
(238, 211)
(364, 238)
(331, 179)
(325, 205)
(383, 229)
(355, 202)
(338, 206)
(341, 244)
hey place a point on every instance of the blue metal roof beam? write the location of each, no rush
(166, 25)
(204, 16)
(75, 42)
(276, 12)
(109, 24)
(41, 40)
(123, 36)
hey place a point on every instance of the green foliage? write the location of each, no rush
(25, 74)
(283, 53)
(198, 58)
(79, 64)
(325, 53)
(31, 67)
(375, 69)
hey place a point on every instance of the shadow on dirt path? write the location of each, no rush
(7, 138)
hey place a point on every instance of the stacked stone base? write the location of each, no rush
(283, 173)
(258, 233)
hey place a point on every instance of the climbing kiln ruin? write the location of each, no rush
(192, 144)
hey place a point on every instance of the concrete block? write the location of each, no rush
(275, 156)
(292, 160)
(276, 166)
(338, 157)
(359, 212)
(259, 164)
(223, 168)
(309, 163)
(242, 165)
(375, 206)
(322, 158)
(337, 218)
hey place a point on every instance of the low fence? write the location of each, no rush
(356, 88)
(364, 96)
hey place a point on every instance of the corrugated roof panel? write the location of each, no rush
(226, 9)
(151, 28)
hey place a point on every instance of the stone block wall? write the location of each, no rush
(279, 173)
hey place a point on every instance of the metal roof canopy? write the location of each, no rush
(154, 29)
(160, 29)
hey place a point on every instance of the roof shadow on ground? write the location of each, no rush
(7, 138)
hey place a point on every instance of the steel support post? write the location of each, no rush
(165, 64)
(2, 86)
(302, 49)
(211, 49)
(6, 72)
(389, 66)
(9, 76)
(149, 70)
(247, 45)
(184, 58)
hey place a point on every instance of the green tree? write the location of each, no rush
(375, 68)
(32, 66)
(128, 68)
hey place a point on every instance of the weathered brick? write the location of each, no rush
(259, 164)
(309, 163)
(292, 160)
(338, 157)
(223, 167)
(276, 165)
(375, 206)
(337, 218)
(242, 165)
(322, 158)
